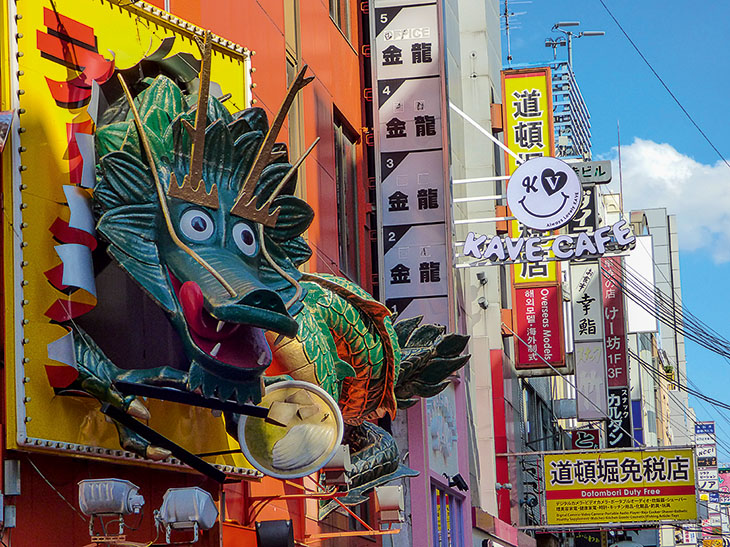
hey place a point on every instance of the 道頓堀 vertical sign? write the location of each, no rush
(528, 132)
(412, 175)
(590, 361)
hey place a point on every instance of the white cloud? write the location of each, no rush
(657, 175)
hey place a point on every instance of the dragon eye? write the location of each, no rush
(245, 239)
(196, 225)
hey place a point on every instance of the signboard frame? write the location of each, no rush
(38, 419)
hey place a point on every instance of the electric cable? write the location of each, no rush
(572, 384)
(689, 325)
(56, 490)
(666, 87)
(658, 374)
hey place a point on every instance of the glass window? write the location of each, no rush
(348, 228)
(340, 14)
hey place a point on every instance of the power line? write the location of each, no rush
(676, 100)
(657, 374)
(635, 443)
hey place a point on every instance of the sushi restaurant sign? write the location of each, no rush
(544, 194)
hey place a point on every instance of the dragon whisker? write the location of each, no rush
(291, 171)
(279, 269)
(161, 195)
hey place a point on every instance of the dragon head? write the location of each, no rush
(224, 277)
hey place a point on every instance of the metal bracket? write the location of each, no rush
(157, 439)
(189, 398)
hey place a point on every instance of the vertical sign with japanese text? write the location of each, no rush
(585, 293)
(528, 131)
(613, 320)
(618, 426)
(528, 112)
(590, 381)
(411, 173)
(538, 317)
(586, 219)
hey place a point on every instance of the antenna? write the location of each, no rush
(506, 14)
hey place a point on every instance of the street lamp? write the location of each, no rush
(560, 27)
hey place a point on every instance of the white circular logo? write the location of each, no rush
(544, 193)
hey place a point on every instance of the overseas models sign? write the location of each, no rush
(620, 487)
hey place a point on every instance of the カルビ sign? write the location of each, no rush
(620, 487)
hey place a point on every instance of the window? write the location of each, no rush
(446, 513)
(348, 228)
(340, 14)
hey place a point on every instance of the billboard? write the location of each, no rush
(70, 50)
(539, 320)
(620, 487)
(640, 265)
(590, 381)
(704, 433)
(613, 316)
(528, 108)
(411, 171)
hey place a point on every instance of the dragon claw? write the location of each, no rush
(156, 453)
(138, 410)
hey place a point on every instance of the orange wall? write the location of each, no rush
(259, 26)
(43, 519)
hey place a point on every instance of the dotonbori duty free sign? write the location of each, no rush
(544, 194)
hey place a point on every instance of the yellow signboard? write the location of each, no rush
(545, 272)
(713, 542)
(65, 50)
(620, 487)
(528, 113)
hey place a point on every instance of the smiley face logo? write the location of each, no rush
(544, 193)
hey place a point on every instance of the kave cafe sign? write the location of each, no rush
(620, 487)
(544, 194)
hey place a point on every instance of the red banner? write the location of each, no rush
(613, 321)
(539, 321)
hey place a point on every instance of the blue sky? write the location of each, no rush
(667, 163)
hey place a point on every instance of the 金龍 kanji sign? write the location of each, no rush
(620, 487)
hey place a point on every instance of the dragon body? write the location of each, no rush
(229, 282)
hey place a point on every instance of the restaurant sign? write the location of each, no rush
(544, 194)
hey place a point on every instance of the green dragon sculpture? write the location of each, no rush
(220, 253)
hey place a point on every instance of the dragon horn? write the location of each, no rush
(245, 206)
(201, 116)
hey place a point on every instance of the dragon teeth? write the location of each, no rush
(215, 350)
(220, 325)
(302, 446)
(262, 358)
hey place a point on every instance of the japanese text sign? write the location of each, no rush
(528, 124)
(621, 487)
(596, 172)
(527, 272)
(538, 316)
(585, 439)
(585, 291)
(590, 381)
(618, 427)
(586, 219)
(414, 244)
(613, 321)
(705, 433)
